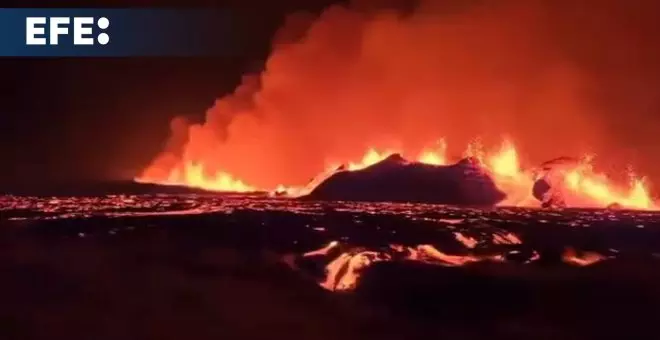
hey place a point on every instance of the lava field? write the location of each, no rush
(168, 266)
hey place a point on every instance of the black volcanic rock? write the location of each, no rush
(614, 206)
(547, 195)
(540, 189)
(545, 189)
(395, 179)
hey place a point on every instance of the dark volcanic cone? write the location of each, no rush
(396, 179)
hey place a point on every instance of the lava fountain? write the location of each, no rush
(580, 184)
(344, 90)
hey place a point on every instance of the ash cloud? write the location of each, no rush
(537, 72)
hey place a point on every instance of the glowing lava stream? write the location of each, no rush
(344, 272)
(581, 185)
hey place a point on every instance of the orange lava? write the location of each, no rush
(358, 82)
(193, 175)
(581, 187)
(345, 271)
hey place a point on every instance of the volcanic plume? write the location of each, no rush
(362, 79)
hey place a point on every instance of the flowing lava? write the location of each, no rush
(345, 268)
(581, 185)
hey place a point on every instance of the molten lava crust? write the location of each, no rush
(396, 180)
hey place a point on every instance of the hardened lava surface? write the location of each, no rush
(289, 224)
(160, 265)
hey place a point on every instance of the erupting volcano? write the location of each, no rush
(344, 91)
(573, 180)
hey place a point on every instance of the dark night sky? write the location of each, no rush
(69, 119)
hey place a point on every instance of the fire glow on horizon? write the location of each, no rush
(583, 186)
(342, 87)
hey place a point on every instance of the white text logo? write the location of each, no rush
(49, 30)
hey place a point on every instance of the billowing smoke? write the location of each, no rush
(359, 77)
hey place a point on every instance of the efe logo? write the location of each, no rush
(35, 30)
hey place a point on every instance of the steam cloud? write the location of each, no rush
(357, 77)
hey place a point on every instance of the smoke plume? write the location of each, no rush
(358, 77)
